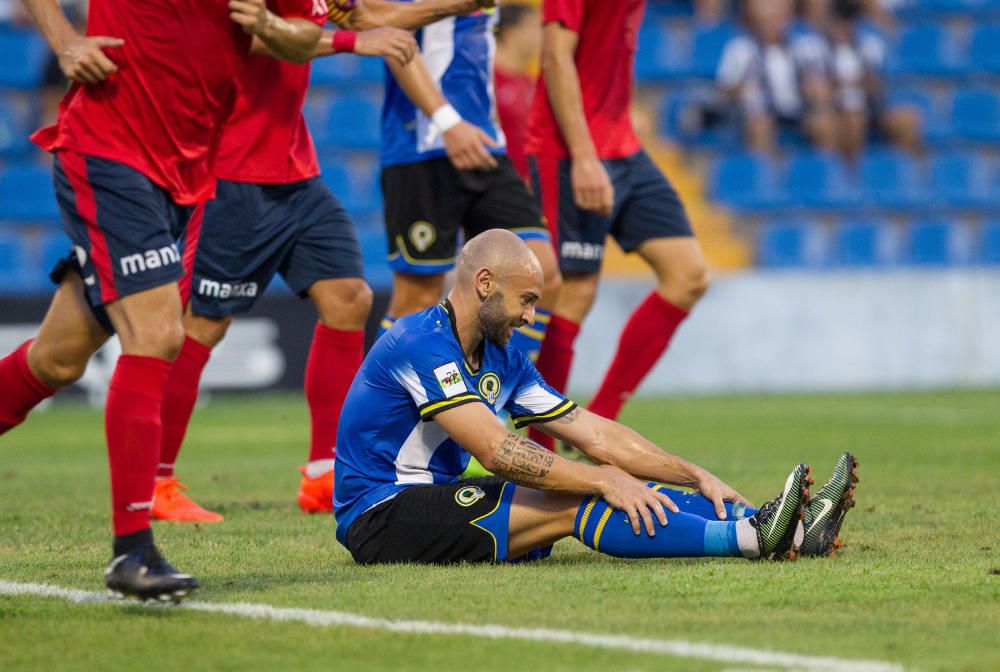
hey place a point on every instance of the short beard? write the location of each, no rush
(494, 321)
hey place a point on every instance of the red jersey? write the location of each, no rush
(266, 140)
(162, 112)
(605, 56)
(514, 92)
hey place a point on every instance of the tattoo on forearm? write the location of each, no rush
(523, 461)
(569, 417)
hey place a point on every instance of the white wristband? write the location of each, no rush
(446, 118)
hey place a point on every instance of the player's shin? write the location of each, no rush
(179, 400)
(609, 531)
(21, 390)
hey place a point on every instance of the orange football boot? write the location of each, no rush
(169, 503)
(316, 494)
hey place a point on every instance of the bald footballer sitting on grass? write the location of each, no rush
(426, 398)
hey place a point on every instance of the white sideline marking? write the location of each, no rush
(319, 618)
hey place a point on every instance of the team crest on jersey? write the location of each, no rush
(469, 495)
(450, 379)
(422, 235)
(489, 387)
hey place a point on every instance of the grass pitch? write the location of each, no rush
(917, 584)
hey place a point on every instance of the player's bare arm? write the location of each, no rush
(592, 188)
(608, 442)
(291, 40)
(522, 461)
(394, 44)
(466, 144)
(407, 15)
(81, 58)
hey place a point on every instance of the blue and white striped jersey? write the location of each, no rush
(459, 53)
(388, 440)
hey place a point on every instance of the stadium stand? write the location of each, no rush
(803, 209)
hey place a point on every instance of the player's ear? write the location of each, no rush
(485, 283)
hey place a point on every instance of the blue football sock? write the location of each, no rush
(695, 504)
(609, 531)
(385, 325)
(529, 339)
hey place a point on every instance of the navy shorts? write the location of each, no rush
(123, 229)
(430, 203)
(646, 207)
(249, 232)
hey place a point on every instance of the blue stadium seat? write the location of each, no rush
(54, 246)
(317, 115)
(708, 44)
(932, 243)
(989, 249)
(27, 194)
(354, 123)
(12, 263)
(936, 123)
(819, 180)
(984, 51)
(976, 115)
(355, 184)
(961, 180)
(24, 55)
(662, 54)
(374, 250)
(863, 243)
(891, 179)
(681, 118)
(795, 244)
(927, 49)
(346, 69)
(747, 182)
(14, 130)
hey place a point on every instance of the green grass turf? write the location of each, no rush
(918, 583)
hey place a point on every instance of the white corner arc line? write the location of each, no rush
(320, 618)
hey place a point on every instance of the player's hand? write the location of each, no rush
(712, 488)
(592, 188)
(399, 45)
(82, 59)
(639, 502)
(466, 146)
(252, 15)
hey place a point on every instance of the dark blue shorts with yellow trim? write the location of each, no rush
(237, 242)
(646, 207)
(466, 521)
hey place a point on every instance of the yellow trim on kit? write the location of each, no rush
(468, 396)
(555, 411)
(386, 323)
(487, 515)
(401, 250)
(600, 528)
(541, 317)
(586, 515)
(533, 334)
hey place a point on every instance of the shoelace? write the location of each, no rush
(764, 511)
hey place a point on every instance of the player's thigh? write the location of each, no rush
(424, 204)
(681, 271)
(439, 524)
(578, 235)
(577, 295)
(324, 262)
(539, 519)
(234, 246)
(68, 336)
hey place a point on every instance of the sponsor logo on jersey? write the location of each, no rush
(586, 251)
(450, 379)
(469, 495)
(226, 290)
(489, 387)
(422, 235)
(140, 262)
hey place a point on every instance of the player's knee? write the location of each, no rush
(576, 298)
(343, 304)
(686, 289)
(56, 366)
(552, 285)
(207, 331)
(162, 340)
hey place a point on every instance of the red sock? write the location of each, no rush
(334, 359)
(554, 362)
(20, 390)
(133, 430)
(644, 338)
(179, 398)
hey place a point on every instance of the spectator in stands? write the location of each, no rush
(855, 55)
(777, 80)
(519, 44)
